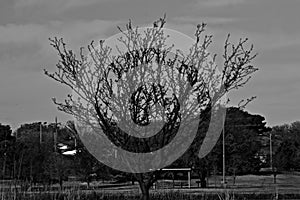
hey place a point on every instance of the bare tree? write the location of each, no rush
(147, 84)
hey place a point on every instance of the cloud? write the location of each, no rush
(12, 33)
(25, 52)
(58, 4)
(218, 3)
(272, 25)
(27, 97)
(281, 54)
(26, 47)
(42, 11)
(208, 20)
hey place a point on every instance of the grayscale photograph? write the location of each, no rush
(149, 99)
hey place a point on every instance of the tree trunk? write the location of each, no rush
(88, 183)
(61, 183)
(234, 177)
(202, 177)
(274, 177)
(145, 191)
(203, 182)
(20, 165)
(145, 181)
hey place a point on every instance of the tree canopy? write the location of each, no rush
(286, 146)
(120, 88)
(243, 143)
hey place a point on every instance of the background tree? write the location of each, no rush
(242, 147)
(85, 165)
(286, 146)
(243, 141)
(32, 148)
(36, 155)
(92, 82)
(6, 144)
(58, 167)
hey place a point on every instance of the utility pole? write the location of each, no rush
(5, 155)
(271, 153)
(73, 135)
(55, 135)
(271, 160)
(4, 166)
(224, 181)
(41, 133)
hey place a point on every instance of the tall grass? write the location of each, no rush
(168, 195)
(81, 195)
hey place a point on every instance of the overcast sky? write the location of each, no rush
(273, 26)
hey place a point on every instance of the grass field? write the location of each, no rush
(246, 187)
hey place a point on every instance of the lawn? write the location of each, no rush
(246, 187)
